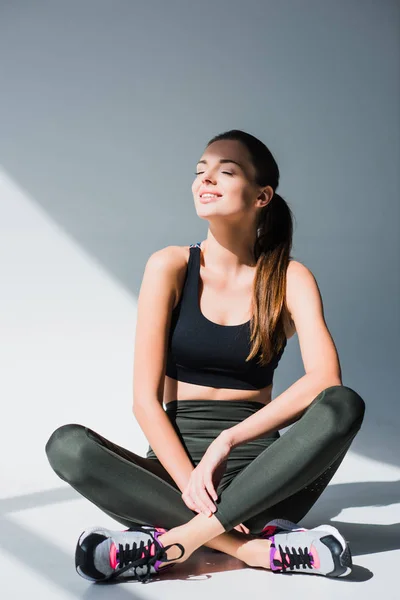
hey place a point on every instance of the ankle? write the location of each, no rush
(172, 537)
(257, 553)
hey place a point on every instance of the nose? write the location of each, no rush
(207, 179)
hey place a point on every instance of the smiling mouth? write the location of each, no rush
(207, 199)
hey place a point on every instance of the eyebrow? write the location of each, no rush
(225, 160)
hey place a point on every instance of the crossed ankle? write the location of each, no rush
(256, 553)
(167, 538)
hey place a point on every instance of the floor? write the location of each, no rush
(39, 530)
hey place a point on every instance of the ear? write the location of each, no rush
(265, 196)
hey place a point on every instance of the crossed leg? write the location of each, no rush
(284, 481)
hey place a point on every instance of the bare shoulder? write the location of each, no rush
(296, 272)
(299, 277)
(173, 260)
(302, 291)
(170, 257)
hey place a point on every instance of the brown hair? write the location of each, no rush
(271, 252)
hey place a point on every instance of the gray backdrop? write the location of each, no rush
(107, 106)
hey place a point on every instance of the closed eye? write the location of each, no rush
(225, 172)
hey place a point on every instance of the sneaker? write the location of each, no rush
(102, 554)
(320, 551)
(278, 525)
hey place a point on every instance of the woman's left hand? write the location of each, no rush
(200, 490)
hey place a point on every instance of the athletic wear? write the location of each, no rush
(283, 480)
(199, 422)
(318, 551)
(270, 477)
(102, 554)
(206, 353)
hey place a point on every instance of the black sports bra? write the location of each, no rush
(206, 353)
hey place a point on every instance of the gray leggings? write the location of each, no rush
(275, 476)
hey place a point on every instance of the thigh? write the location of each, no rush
(152, 465)
(295, 507)
(72, 448)
(299, 458)
(130, 488)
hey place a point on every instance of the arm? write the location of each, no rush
(320, 359)
(155, 303)
(164, 440)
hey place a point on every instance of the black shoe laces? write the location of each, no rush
(131, 556)
(293, 558)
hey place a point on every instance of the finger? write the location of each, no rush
(202, 501)
(200, 495)
(210, 506)
(189, 502)
(211, 490)
(244, 528)
(210, 501)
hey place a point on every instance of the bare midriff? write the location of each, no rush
(180, 390)
(230, 298)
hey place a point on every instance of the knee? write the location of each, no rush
(347, 403)
(64, 451)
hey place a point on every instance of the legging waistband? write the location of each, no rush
(199, 422)
(216, 401)
(211, 414)
(196, 403)
(195, 417)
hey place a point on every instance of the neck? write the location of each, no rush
(229, 255)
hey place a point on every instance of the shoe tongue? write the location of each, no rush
(101, 557)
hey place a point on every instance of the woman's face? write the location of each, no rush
(234, 183)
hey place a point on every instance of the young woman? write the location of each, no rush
(213, 322)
